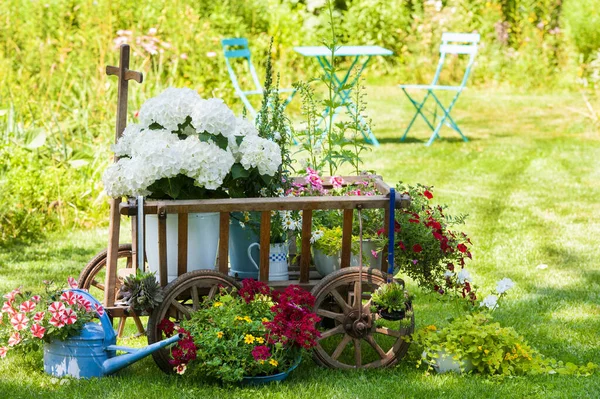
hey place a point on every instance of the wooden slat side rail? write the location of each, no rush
(384, 252)
(265, 238)
(162, 246)
(262, 204)
(182, 243)
(305, 250)
(347, 237)
(224, 242)
(114, 225)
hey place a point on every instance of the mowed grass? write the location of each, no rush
(530, 181)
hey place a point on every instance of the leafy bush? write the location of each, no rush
(582, 19)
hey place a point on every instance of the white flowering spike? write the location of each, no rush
(463, 276)
(213, 116)
(170, 108)
(490, 301)
(504, 285)
(260, 153)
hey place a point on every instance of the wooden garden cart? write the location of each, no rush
(351, 335)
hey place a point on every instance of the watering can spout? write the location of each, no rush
(116, 363)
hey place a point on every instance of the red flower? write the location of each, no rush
(428, 194)
(413, 220)
(167, 327)
(417, 248)
(462, 248)
(251, 288)
(401, 245)
(261, 352)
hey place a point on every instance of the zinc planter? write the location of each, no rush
(327, 264)
(278, 260)
(203, 242)
(260, 380)
(240, 239)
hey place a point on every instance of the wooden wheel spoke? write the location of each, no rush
(195, 298)
(388, 331)
(329, 333)
(181, 308)
(357, 353)
(213, 291)
(340, 348)
(97, 284)
(331, 315)
(367, 307)
(376, 346)
(357, 296)
(340, 300)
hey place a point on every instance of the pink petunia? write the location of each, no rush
(38, 316)
(37, 331)
(3, 350)
(72, 282)
(27, 306)
(336, 181)
(68, 297)
(374, 253)
(14, 339)
(36, 298)
(69, 316)
(7, 308)
(84, 303)
(56, 308)
(99, 309)
(57, 322)
(11, 295)
(19, 321)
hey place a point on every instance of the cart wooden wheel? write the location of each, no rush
(350, 338)
(181, 297)
(92, 276)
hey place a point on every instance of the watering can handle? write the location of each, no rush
(109, 333)
(250, 254)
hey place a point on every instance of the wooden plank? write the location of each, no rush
(265, 238)
(305, 250)
(114, 225)
(347, 237)
(182, 243)
(384, 252)
(162, 247)
(224, 243)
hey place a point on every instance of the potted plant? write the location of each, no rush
(141, 292)
(391, 301)
(187, 147)
(255, 335)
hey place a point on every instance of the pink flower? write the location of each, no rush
(14, 339)
(56, 321)
(38, 316)
(7, 308)
(336, 181)
(84, 303)
(36, 298)
(11, 295)
(19, 321)
(69, 316)
(37, 331)
(72, 282)
(3, 350)
(99, 309)
(27, 306)
(56, 308)
(374, 253)
(68, 297)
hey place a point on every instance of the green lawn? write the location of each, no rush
(530, 181)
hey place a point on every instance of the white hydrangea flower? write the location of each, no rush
(463, 276)
(504, 285)
(213, 116)
(490, 302)
(205, 162)
(170, 108)
(243, 128)
(127, 140)
(260, 153)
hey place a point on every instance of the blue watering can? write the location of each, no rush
(93, 352)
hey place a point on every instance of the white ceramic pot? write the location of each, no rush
(278, 260)
(203, 242)
(327, 264)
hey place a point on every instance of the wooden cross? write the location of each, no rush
(124, 74)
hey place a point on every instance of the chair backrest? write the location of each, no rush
(238, 48)
(457, 43)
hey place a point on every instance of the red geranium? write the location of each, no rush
(417, 248)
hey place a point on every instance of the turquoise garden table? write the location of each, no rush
(343, 95)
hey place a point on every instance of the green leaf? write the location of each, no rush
(238, 171)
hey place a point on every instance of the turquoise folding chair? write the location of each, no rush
(464, 43)
(238, 48)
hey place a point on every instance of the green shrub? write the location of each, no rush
(582, 21)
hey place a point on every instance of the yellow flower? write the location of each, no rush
(249, 339)
(486, 351)
(239, 318)
(431, 328)
(480, 348)
(220, 334)
(217, 304)
(260, 340)
(265, 320)
(273, 362)
(248, 319)
(261, 362)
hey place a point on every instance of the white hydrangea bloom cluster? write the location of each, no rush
(213, 116)
(138, 141)
(170, 108)
(243, 128)
(260, 153)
